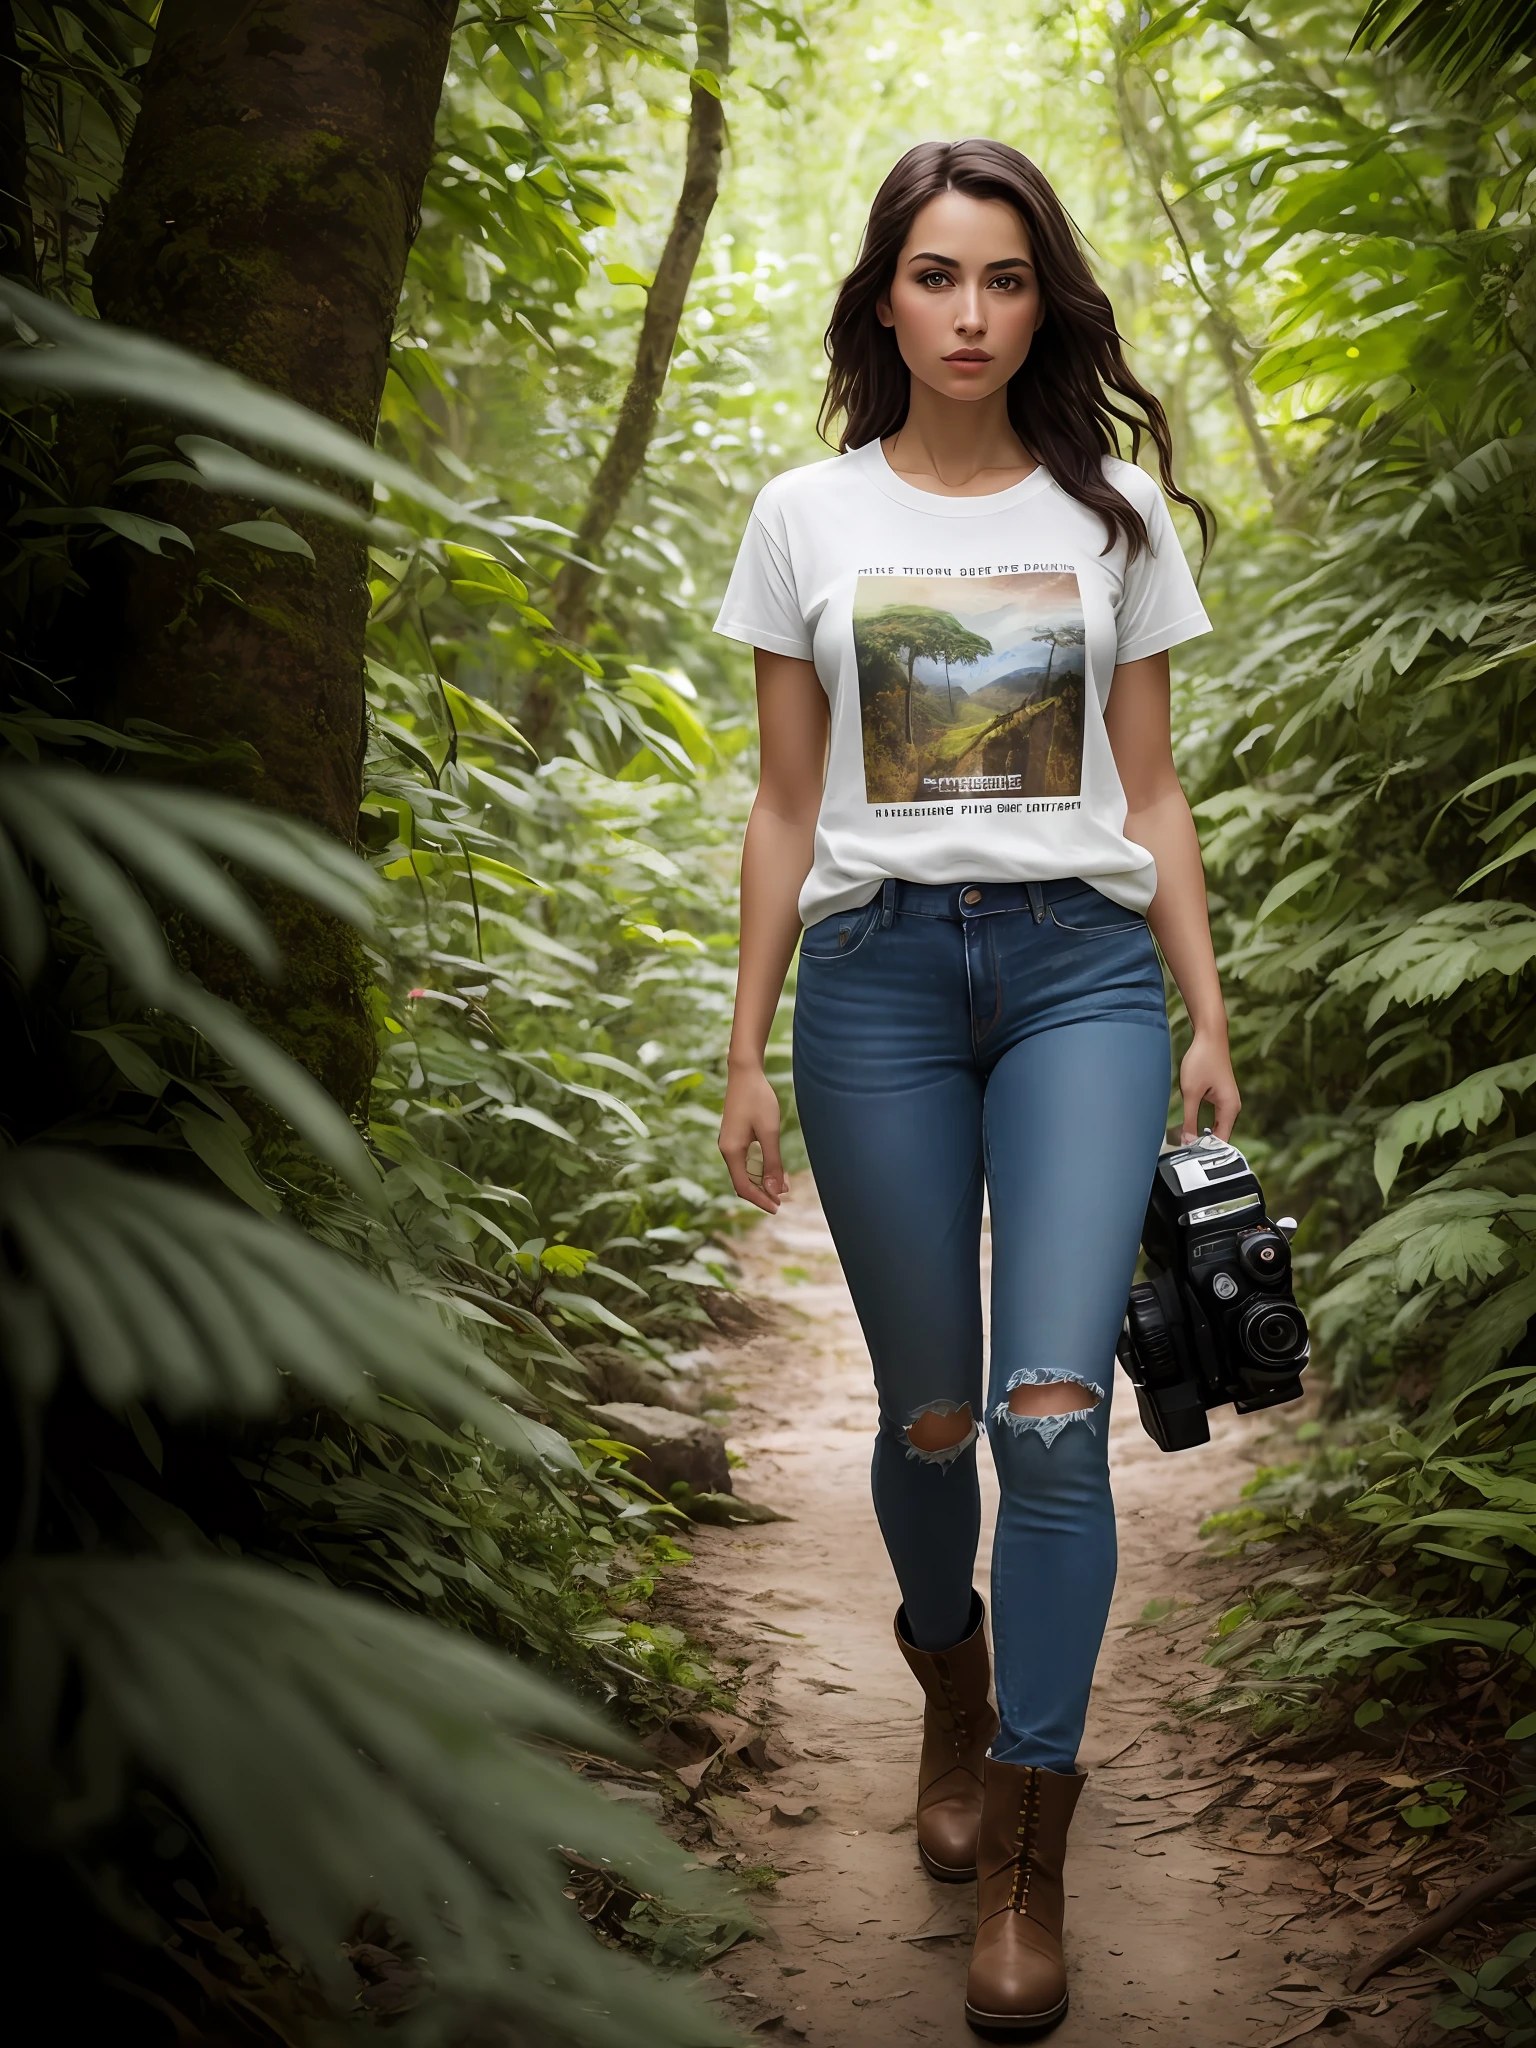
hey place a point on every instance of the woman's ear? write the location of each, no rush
(883, 311)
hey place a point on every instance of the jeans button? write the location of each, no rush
(971, 896)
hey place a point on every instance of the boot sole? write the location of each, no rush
(946, 1873)
(1014, 2026)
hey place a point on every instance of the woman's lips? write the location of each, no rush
(969, 355)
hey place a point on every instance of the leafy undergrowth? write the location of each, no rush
(1356, 747)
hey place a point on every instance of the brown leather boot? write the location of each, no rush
(958, 1723)
(1018, 1981)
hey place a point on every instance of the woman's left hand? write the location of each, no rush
(1205, 1075)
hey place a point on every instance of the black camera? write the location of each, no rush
(1217, 1321)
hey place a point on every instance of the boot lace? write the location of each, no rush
(1024, 1847)
(959, 1723)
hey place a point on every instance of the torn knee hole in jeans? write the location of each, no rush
(1042, 1422)
(952, 1436)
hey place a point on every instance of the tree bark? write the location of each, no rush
(268, 203)
(625, 455)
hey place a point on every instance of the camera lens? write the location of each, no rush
(1274, 1334)
(1265, 1256)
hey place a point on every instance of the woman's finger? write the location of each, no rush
(1193, 1097)
(734, 1153)
(775, 1180)
(1228, 1102)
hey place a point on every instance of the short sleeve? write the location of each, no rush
(1159, 604)
(760, 605)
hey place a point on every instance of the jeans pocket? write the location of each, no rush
(1087, 913)
(841, 934)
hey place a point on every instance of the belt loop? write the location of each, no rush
(888, 900)
(1036, 901)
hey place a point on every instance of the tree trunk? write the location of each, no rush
(625, 456)
(269, 199)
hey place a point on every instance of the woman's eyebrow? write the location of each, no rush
(1003, 263)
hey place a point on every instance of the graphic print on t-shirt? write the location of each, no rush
(970, 685)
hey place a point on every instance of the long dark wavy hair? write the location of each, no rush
(1062, 400)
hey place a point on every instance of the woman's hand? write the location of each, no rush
(752, 1111)
(1205, 1075)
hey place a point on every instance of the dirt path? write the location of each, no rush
(1172, 1937)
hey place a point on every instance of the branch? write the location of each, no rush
(1507, 1878)
(625, 456)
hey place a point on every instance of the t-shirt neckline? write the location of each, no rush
(885, 479)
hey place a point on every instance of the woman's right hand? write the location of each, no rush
(752, 1111)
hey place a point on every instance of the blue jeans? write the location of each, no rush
(1012, 1035)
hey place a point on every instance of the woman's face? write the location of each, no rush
(965, 301)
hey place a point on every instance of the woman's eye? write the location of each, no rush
(1011, 284)
(930, 277)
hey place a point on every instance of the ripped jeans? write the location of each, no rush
(1012, 1036)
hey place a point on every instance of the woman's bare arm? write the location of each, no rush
(1157, 817)
(775, 860)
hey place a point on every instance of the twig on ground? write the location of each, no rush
(1520, 1871)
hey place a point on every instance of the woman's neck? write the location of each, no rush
(958, 449)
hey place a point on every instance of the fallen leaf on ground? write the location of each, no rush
(1324, 2016)
(794, 1813)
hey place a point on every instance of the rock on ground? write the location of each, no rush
(671, 1446)
(619, 1376)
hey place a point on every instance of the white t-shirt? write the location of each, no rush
(966, 646)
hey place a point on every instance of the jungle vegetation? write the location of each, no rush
(384, 391)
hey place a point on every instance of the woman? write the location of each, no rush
(968, 800)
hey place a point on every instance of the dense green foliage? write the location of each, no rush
(357, 1356)
(1362, 770)
(551, 979)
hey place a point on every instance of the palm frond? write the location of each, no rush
(158, 1293)
(340, 1756)
(95, 836)
(1455, 41)
(92, 358)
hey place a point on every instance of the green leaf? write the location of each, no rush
(706, 82)
(232, 474)
(586, 1310)
(1425, 1816)
(218, 1146)
(1521, 847)
(131, 1060)
(340, 1757)
(162, 1294)
(1521, 1730)
(625, 273)
(149, 534)
(90, 358)
(272, 535)
(569, 1260)
(1294, 884)
(1471, 1103)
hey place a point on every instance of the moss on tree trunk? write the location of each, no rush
(268, 202)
